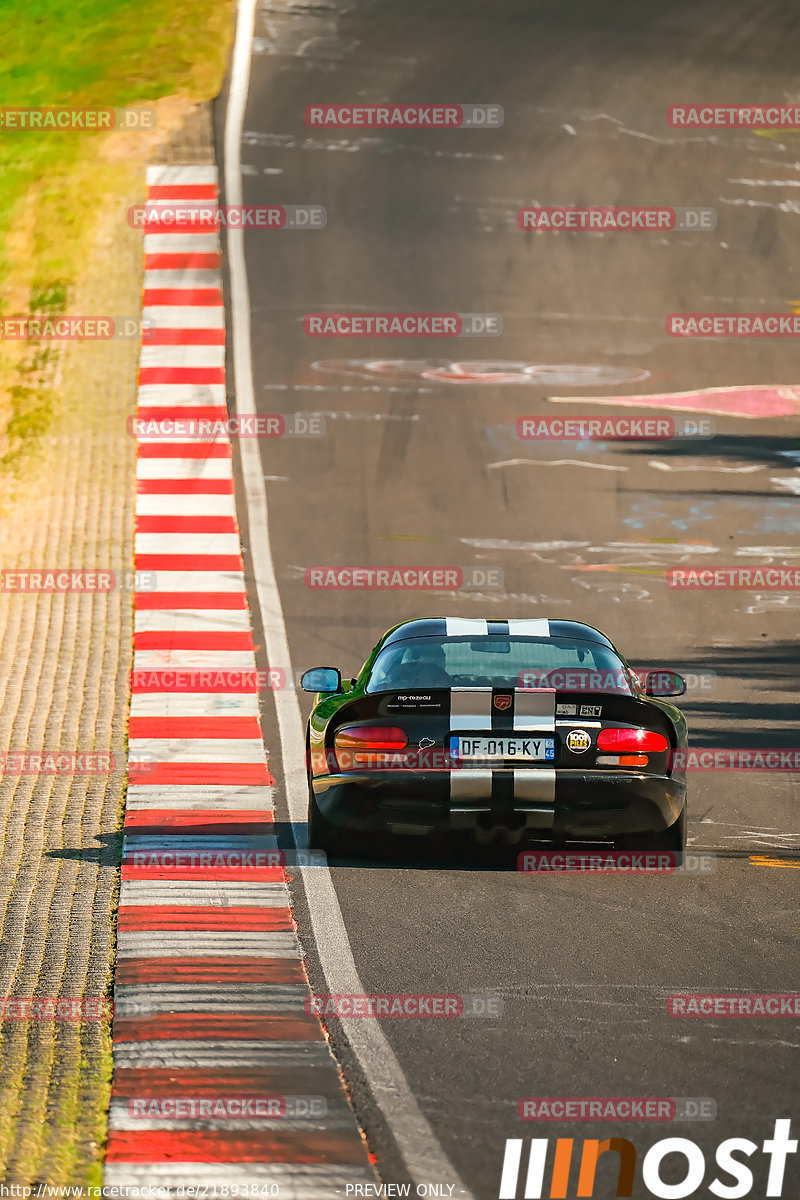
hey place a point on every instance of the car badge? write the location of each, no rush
(501, 703)
(424, 743)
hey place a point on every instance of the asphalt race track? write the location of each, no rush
(420, 464)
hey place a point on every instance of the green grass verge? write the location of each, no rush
(82, 54)
(95, 54)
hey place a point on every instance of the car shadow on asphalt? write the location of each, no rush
(397, 857)
(400, 855)
(770, 451)
(761, 720)
(106, 853)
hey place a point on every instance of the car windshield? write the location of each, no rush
(496, 661)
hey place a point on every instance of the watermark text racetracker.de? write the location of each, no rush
(616, 1108)
(403, 578)
(203, 679)
(714, 578)
(94, 120)
(232, 862)
(736, 758)
(402, 1005)
(72, 328)
(660, 681)
(76, 579)
(615, 219)
(733, 116)
(616, 862)
(56, 1008)
(408, 324)
(60, 762)
(404, 116)
(750, 1004)
(164, 217)
(200, 427)
(226, 1108)
(613, 429)
(726, 325)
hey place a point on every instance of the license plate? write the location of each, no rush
(495, 749)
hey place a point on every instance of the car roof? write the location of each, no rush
(479, 627)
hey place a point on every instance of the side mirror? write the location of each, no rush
(321, 679)
(664, 683)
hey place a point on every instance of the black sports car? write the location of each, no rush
(521, 730)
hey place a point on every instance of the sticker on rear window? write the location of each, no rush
(566, 710)
(591, 710)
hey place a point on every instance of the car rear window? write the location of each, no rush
(497, 661)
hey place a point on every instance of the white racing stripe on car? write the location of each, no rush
(466, 784)
(463, 626)
(470, 708)
(538, 788)
(535, 788)
(534, 711)
(535, 627)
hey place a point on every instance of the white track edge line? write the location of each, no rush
(413, 1135)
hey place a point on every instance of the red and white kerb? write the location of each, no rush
(210, 981)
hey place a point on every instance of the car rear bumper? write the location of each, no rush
(537, 804)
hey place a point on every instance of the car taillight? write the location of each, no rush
(368, 746)
(370, 737)
(632, 741)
